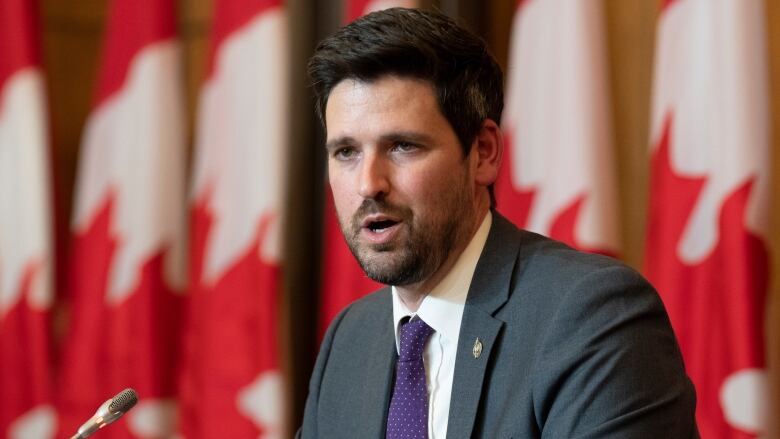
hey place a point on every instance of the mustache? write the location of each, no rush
(371, 206)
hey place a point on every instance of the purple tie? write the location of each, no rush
(408, 415)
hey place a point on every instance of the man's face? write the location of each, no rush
(404, 192)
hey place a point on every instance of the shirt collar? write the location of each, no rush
(442, 308)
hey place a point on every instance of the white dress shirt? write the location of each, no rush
(442, 310)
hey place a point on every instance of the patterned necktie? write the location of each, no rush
(408, 414)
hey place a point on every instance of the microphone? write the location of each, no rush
(108, 412)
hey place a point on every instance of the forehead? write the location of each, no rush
(388, 103)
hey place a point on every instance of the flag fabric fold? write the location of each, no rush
(707, 250)
(127, 268)
(26, 252)
(232, 383)
(557, 176)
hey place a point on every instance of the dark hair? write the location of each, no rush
(418, 44)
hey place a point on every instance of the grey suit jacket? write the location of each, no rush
(574, 346)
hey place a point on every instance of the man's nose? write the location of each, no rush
(373, 177)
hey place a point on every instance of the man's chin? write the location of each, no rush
(383, 249)
(367, 249)
(383, 267)
(382, 255)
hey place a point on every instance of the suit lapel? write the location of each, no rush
(470, 371)
(381, 359)
(489, 290)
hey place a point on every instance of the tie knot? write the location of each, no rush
(414, 334)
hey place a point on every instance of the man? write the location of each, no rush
(487, 331)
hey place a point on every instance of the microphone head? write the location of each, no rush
(123, 401)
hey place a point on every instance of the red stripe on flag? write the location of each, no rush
(18, 36)
(716, 306)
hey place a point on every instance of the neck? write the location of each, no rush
(412, 295)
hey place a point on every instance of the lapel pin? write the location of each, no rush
(477, 351)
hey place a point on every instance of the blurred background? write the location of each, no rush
(165, 222)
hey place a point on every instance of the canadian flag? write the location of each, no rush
(709, 197)
(25, 230)
(343, 281)
(127, 268)
(232, 383)
(557, 178)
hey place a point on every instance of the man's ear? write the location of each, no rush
(487, 150)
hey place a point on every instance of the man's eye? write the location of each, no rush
(405, 147)
(344, 153)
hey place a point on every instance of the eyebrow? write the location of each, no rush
(340, 142)
(394, 136)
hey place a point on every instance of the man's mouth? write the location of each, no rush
(380, 228)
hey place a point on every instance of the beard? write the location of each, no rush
(423, 245)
